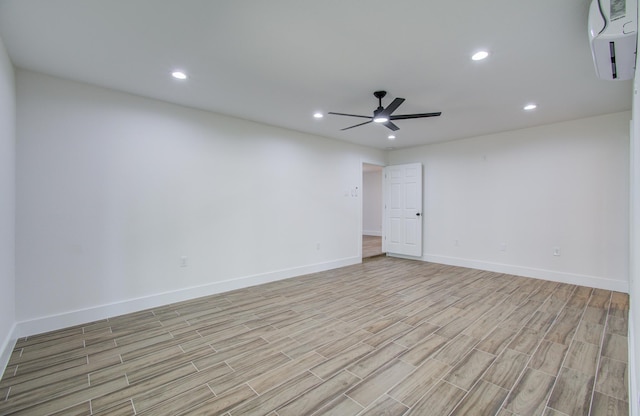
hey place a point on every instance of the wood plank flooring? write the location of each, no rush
(386, 337)
(371, 246)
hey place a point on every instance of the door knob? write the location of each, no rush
(417, 214)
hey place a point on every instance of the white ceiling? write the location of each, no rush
(279, 61)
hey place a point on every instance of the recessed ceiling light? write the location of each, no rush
(380, 119)
(480, 55)
(530, 107)
(391, 137)
(179, 75)
(318, 115)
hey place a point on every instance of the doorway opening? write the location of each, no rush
(372, 208)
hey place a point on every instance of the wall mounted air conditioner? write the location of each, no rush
(612, 33)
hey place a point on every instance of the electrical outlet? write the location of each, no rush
(456, 243)
(503, 246)
(556, 251)
(183, 261)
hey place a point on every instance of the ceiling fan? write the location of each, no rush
(383, 115)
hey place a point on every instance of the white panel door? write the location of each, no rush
(403, 209)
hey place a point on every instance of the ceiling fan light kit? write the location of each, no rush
(383, 115)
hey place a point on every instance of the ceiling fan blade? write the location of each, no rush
(392, 107)
(408, 116)
(391, 126)
(349, 115)
(357, 125)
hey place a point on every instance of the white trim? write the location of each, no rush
(555, 276)
(6, 348)
(372, 233)
(633, 376)
(81, 316)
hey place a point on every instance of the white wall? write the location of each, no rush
(7, 206)
(372, 202)
(113, 189)
(563, 185)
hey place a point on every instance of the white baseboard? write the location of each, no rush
(6, 348)
(372, 233)
(77, 317)
(555, 276)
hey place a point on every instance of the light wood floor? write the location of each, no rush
(387, 337)
(371, 246)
